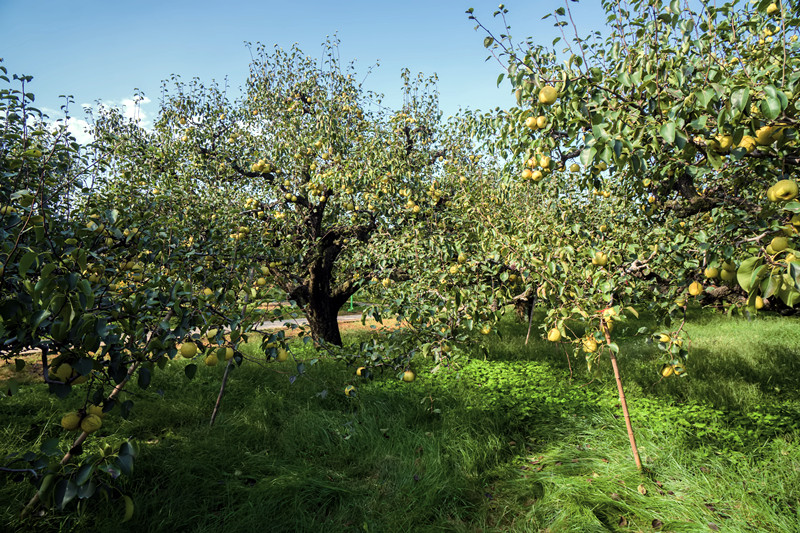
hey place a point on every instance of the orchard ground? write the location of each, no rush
(348, 323)
(506, 441)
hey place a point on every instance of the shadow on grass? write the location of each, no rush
(505, 444)
(424, 456)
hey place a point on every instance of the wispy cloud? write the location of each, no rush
(80, 129)
(131, 108)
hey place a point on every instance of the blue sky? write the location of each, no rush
(103, 49)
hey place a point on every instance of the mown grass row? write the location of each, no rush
(507, 442)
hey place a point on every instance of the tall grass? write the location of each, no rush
(500, 443)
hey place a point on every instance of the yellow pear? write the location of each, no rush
(779, 244)
(589, 345)
(695, 288)
(548, 95)
(188, 350)
(71, 421)
(91, 423)
(785, 190)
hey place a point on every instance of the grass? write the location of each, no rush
(505, 442)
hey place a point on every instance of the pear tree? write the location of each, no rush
(306, 175)
(659, 153)
(684, 119)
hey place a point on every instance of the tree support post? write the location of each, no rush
(625, 413)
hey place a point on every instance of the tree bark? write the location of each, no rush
(323, 317)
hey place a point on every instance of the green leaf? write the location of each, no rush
(745, 272)
(770, 107)
(125, 464)
(794, 273)
(740, 98)
(190, 370)
(85, 287)
(587, 156)
(770, 285)
(87, 490)
(66, 491)
(758, 274)
(667, 132)
(144, 377)
(715, 159)
(27, 262)
(126, 448)
(48, 269)
(84, 473)
(487, 42)
(699, 123)
(50, 447)
(12, 387)
(81, 258)
(129, 508)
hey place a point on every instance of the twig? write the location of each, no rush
(19, 470)
(221, 392)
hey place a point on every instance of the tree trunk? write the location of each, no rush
(323, 317)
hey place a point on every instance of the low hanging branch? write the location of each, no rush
(83, 436)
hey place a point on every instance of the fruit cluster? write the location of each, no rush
(88, 420)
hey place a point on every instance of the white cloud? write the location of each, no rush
(132, 108)
(54, 120)
(79, 128)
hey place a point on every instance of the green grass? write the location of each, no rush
(505, 442)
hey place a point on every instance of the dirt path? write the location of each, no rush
(278, 324)
(350, 322)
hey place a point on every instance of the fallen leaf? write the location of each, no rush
(642, 490)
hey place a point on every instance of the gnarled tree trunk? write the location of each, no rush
(322, 312)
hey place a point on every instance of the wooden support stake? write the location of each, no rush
(631, 437)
